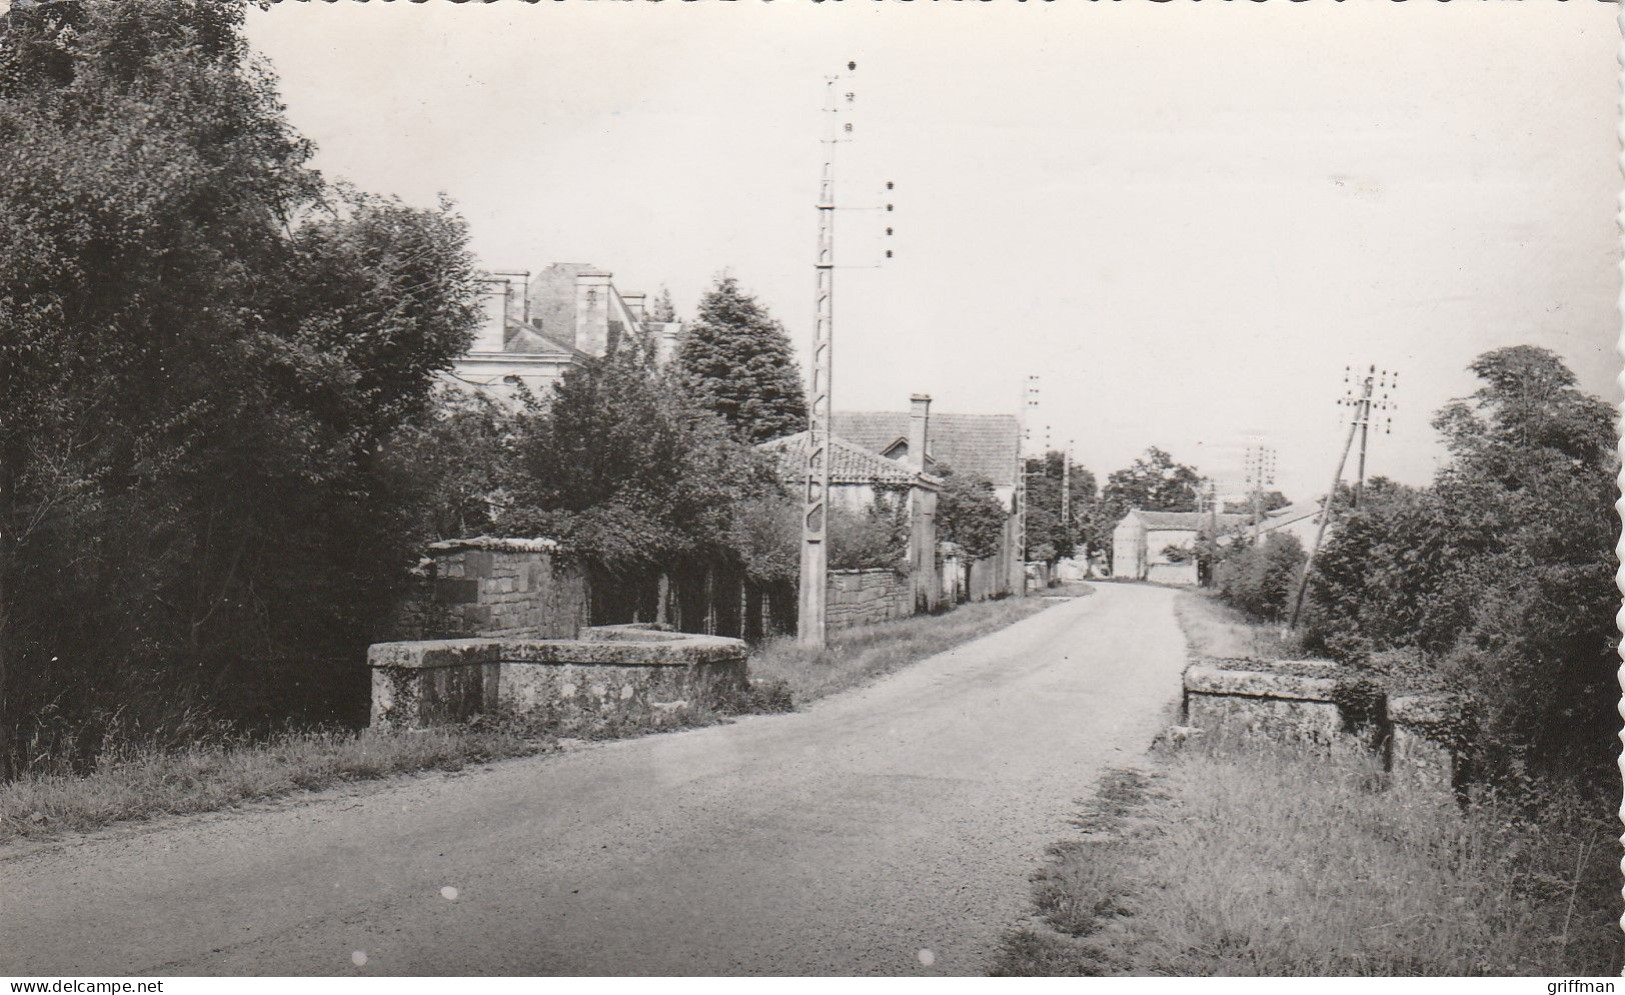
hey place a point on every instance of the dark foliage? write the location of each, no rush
(1500, 575)
(624, 469)
(203, 349)
(736, 361)
(1262, 579)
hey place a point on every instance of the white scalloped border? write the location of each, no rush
(1619, 503)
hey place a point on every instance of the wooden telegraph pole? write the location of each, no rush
(1361, 405)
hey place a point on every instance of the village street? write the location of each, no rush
(846, 839)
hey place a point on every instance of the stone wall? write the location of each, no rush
(495, 588)
(611, 672)
(1305, 702)
(863, 597)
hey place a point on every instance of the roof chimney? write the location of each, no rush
(919, 414)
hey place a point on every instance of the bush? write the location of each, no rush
(1262, 580)
(1499, 577)
(874, 538)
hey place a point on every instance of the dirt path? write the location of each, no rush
(847, 839)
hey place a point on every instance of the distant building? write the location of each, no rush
(537, 326)
(985, 445)
(858, 477)
(1301, 520)
(1161, 545)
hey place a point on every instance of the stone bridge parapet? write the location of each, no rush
(610, 671)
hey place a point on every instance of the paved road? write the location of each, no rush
(846, 839)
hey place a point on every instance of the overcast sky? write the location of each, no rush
(1187, 218)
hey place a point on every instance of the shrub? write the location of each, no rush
(1262, 580)
(876, 537)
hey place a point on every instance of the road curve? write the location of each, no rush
(850, 838)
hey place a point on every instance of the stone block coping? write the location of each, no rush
(1258, 684)
(618, 646)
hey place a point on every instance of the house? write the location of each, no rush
(537, 326)
(860, 477)
(985, 445)
(1301, 520)
(1161, 545)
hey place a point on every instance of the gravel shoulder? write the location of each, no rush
(901, 817)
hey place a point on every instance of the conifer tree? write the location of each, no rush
(736, 360)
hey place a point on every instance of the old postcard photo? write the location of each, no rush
(795, 488)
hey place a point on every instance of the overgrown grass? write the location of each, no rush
(858, 655)
(1214, 629)
(221, 768)
(1268, 863)
(143, 782)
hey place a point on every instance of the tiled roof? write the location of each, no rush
(522, 337)
(981, 444)
(849, 464)
(1190, 521)
(1291, 513)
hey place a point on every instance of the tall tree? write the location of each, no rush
(1154, 482)
(1048, 536)
(203, 349)
(623, 467)
(736, 361)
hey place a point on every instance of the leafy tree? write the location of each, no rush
(625, 469)
(1047, 533)
(203, 351)
(969, 515)
(1500, 575)
(736, 361)
(1154, 482)
(459, 454)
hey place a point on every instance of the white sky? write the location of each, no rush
(1186, 217)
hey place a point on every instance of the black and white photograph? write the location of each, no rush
(809, 488)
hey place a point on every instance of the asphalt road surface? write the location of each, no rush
(887, 830)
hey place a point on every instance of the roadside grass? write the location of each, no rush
(1269, 863)
(136, 776)
(146, 780)
(140, 782)
(858, 655)
(1214, 629)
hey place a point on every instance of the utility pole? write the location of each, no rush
(1260, 466)
(1029, 410)
(1361, 406)
(1066, 491)
(1386, 382)
(810, 618)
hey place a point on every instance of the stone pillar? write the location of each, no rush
(1423, 729)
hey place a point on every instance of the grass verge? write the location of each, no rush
(858, 655)
(1214, 629)
(1268, 863)
(143, 781)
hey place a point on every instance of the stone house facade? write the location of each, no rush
(537, 326)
